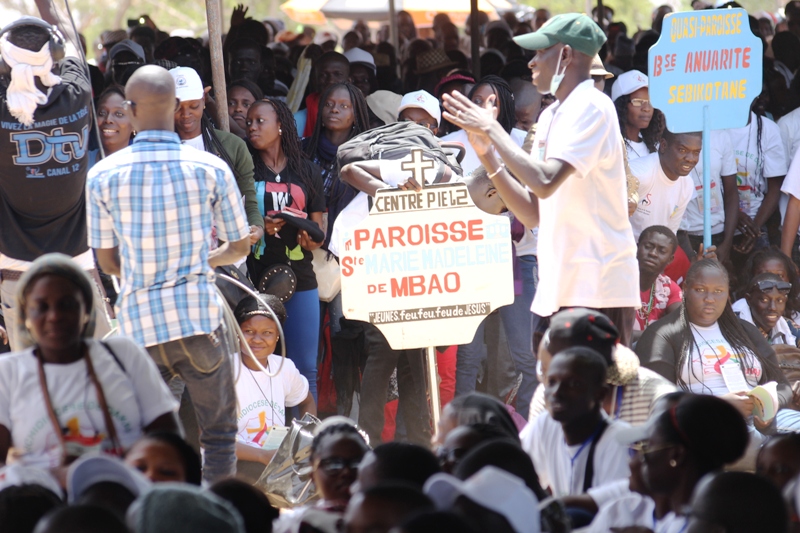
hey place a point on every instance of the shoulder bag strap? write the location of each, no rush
(589, 474)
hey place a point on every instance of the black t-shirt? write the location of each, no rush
(272, 196)
(43, 171)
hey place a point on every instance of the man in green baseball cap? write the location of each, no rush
(574, 29)
(572, 184)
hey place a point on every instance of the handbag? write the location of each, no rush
(328, 273)
(286, 480)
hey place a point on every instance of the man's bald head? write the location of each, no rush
(151, 89)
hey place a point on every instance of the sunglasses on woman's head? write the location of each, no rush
(768, 285)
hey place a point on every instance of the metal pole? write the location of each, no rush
(706, 178)
(393, 36)
(601, 15)
(214, 18)
(433, 385)
(475, 34)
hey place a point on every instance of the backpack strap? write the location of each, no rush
(589, 474)
(114, 355)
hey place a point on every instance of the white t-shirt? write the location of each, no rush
(661, 200)
(471, 160)
(722, 164)
(587, 253)
(791, 184)
(705, 376)
(544, 441)
(136, 396)
(261, 400)
(196, 142)
(751, 172)
(789, 125)
(636, 150)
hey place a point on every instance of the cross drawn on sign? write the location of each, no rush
(418, 165)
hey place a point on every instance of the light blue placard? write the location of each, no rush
(705, 58)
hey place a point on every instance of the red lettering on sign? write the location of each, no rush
(417, 285)
(457, 231)
(360, 236)
(347, 265)
(475, 230)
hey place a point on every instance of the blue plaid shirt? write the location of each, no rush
(157, 200)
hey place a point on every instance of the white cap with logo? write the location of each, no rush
(188, 85)
(423, 100)
(627, 83)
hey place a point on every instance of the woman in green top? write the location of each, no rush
(195, 129)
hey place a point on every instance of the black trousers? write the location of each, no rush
(411, 384)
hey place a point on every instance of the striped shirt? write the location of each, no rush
(156, 200)
(638, 397)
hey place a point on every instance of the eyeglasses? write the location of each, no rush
(768, 285)
(640, 102)
(446, 455)
(128, 105)
(643, 449)
(336, 465)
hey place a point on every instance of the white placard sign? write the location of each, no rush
(426, 267)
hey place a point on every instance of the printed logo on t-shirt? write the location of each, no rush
(39, 148)
(647, 200)
(256, 427)
(713, 357)
(280, 198)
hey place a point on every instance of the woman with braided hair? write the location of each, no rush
(343, 114)
(640, 123)
(760, 169)
(287, 182)
(704, 340)
(686, 346)
(497, 89)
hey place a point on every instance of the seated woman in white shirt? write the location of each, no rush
(774, 261)
(701, 346)
(498, 88)
(698, 435)
(262, 399)
(764, 305)
(69, 394)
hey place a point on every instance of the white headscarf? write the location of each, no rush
(22, 96)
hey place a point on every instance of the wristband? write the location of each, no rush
(496, 172)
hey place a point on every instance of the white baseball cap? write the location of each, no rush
(493, 488)
(92, 469)
(357, 55)
(188, 85)
(16, 475)
(628, 82)
(423, 100)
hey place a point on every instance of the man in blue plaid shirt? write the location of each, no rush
(151, 208)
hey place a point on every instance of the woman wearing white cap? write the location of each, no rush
(195, 129)
(640, 123)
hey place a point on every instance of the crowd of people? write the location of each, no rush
(638, 382)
